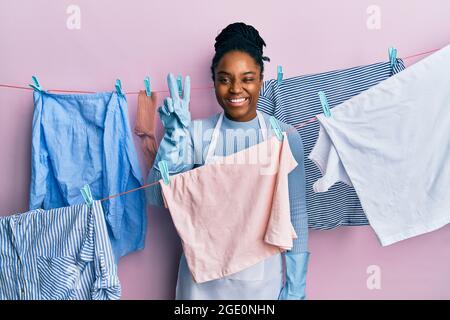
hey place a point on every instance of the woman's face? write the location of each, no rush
(237, 83)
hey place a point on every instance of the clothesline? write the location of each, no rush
(195, 88)
(295, 127)
(154, 183)
(198, 88)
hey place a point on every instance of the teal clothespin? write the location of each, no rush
(276, 128)
(180, 85)
(119, 87)
(147, 86)
(36, 86)
(280, 74)
(164, 171)
(324, 103)
(87, 195)
(392, 56)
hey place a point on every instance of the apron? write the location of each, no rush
(262, 281)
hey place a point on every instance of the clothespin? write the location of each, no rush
(180, 85)
(392, 56)
(119, 87)
(280, 74)
(324, 103)
(164, 171)
(87, 195)
(147, 86)
(36, 86)
(276, 128)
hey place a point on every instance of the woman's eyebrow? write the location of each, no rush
(228, 74)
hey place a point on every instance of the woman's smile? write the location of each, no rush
(237, 102)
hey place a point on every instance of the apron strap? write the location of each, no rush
(214, 138)
(262, 125)
(216, 132)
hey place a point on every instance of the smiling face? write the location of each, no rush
(238, 80)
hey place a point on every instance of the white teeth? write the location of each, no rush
(237, 100)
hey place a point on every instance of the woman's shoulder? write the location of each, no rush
(208, 121)
(203, 124)
(285, 127)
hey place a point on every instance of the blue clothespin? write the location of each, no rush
(280, 74)
(276, 128)
(164, 171)
(36, 86)
(180, 85)
(87, 195)
(119, 87)
(147, 86)
(392, 56)
(324, 103)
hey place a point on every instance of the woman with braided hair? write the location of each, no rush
(237, 71)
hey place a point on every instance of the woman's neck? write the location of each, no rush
(246, 118)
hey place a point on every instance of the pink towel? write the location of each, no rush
(233, 214)
(145, 126)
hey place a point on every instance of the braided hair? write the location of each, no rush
(239, 37)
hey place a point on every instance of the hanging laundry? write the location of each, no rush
(294, 101)
(235, 136)
(263, 280)
(145, 126)
(58, 254)
(392, 143)
(223, 231)
(80, 139)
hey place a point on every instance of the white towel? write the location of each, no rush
(392, 144)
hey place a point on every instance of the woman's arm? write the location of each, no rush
(184, 161)
(176, 147)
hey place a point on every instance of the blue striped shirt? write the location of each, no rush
(58, 254)
(295, 101)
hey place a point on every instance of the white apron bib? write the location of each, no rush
(262, 281)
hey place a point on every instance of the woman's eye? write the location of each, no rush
(224, 80)
(246, 80)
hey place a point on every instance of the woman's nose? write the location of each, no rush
(235, 87)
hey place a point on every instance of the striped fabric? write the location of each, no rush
(294, 101)
(58, 254)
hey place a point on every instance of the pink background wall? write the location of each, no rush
(132, 39)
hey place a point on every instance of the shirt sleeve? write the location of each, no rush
(266, 101)
(297, 193)
(326, 158)
(97, 247)
(39, 158)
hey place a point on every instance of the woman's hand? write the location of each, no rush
(174, 113)
(176, 119)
